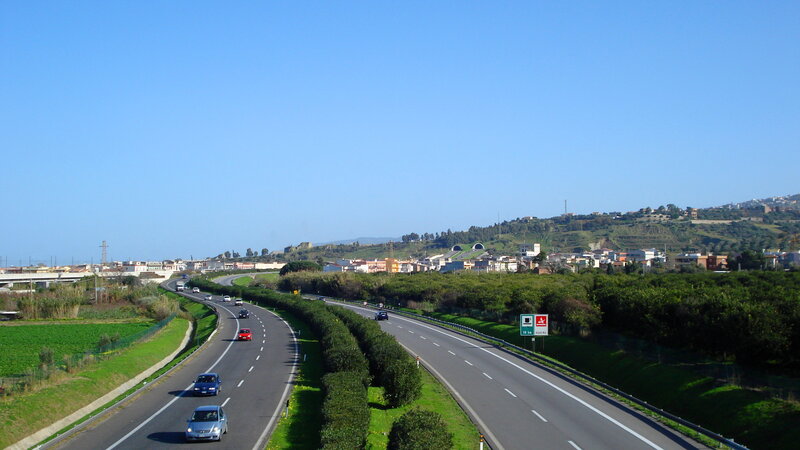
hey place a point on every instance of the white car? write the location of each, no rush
(226, 298)
(196, 290)
(208, 297)
(238, 302)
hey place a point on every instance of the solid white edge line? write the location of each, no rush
(146, 421)
(258, 445)
(539, 415)
(225, 402)
(240, 384)
(552, 385)
(574, 445)
(512, 394)
(463, 402)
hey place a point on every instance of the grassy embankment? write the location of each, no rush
(306, 402)
(750, 417)
(22, 415)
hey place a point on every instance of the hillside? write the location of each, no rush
(755, 225)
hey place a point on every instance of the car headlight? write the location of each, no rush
(215, 429)
(212, 389)
(196, 389)
(188, 430)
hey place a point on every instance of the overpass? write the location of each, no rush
(41, 279)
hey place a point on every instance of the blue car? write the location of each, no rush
(208, 423)
(207, 384)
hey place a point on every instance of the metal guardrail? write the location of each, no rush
(563, 367)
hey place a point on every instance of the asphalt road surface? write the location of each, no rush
(256, 378)
(521, 405)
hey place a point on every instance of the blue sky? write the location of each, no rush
(187, 128)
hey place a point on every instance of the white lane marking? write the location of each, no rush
(574, 445)
(225, 402)
(261, 349)
(264, 341)
(451, 353)
(240, 384)
(410, 331)
(260, 442)
(467, 362)
(146, 421)
(552, 385)
(251, 369)
(436, 344)
(512, 394)
(259, 356)
(487, 376)
(399, 326)
(423, 337)
(539, 415)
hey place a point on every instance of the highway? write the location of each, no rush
(256, 379)
(522, 405)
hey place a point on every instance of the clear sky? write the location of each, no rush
(187, 128)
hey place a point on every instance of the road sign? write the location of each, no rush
(526, 324)
(540, 325)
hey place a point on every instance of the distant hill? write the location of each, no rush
(723, 230)
(362, 240)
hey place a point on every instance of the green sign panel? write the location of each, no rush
(526, 325)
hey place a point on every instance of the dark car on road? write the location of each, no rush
(244, 314)
(207, 384)
(381, 315)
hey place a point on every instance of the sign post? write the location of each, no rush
(541, 326)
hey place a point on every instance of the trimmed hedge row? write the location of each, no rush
(345, 409)
(390, 364)
(342, 411)
(419, 429)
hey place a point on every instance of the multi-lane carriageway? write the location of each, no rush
(516, 403)
(521, 405)
(256, 379)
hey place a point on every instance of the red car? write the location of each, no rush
(245, 334)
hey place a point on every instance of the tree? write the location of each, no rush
(227, 255)
(249, 253)
(748, 260)
(300, 266)
(264, 252)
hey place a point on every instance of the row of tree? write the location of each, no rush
(751, 317)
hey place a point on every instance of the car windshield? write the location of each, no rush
(206, 379)
(204, 416)
(244, 330)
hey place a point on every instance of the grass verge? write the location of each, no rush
(750, 417)
(21, 415)
(242, 281)
(300, 430)
(434, 398)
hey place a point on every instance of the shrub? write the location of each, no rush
(46, 356)
(401, 383)
(420, 430)
(345, 412)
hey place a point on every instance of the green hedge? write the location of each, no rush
(419, 429)
(390, 364)
(345, 417)
(345, 406)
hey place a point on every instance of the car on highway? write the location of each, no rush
(245, 334)
(208, 423)
(207, 384)
(381, 315)
(208, 297)
(226, 298)
(238, 302)
(244, 314)
(196, 290)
